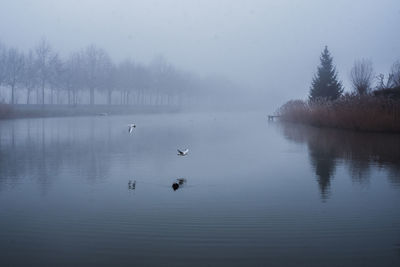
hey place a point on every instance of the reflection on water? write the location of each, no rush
(36, 152)
(178, 184)
(358, 151)
(86, 192)
(132, 185)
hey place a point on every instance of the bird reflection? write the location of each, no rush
(181, 181)
(132, 185)
(130, 127)
(175, 186)
(178, 183)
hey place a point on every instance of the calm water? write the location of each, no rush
(257, 193)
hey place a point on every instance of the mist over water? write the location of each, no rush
(255, 193)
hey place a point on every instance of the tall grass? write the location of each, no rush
(361, 113)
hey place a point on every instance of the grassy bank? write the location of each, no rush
(36, 111)
(360, 113)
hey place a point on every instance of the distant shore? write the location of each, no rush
(37, 111)
(351, 112)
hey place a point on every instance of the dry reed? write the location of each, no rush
(361, 113)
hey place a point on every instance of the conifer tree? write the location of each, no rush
(325, 83)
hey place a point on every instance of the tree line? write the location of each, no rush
(325, 83)
(90, 76)
(373, 104)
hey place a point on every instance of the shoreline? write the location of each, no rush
(355, 113)
(23, 111)
(349, 130)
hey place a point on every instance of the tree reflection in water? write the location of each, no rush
(323, 162)
(35, 150)
(358, 151)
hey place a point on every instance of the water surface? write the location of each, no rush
(257, 193)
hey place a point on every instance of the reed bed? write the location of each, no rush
(360, 113)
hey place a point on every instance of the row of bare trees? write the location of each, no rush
(364, 80)
(89, 76)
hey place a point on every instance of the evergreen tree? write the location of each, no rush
(325, 83)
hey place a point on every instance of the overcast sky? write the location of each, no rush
(269, 46)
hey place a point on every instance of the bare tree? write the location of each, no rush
(165, 80)
(362, 75)
(56, 70)
(74, 76)
(14, 72)
(106, 76)
(92, 71)
(125, 79)
(2, 63)
(144, 81)
(108, 79)
(94, 59)
(30, 75)
(395, 73)
(43, 57)
(384, 83)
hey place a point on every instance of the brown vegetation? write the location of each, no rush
(353, 112)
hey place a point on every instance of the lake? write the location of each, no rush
(257, 193)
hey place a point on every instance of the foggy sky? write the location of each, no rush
(269, 47)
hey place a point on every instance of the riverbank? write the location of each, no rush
(359, 113)
(37, 111)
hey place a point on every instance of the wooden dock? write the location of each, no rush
(272, 117)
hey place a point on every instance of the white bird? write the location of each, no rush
(183, 153)
(130, 127)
